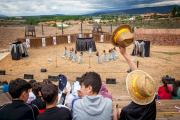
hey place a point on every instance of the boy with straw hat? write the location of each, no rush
(141, 88)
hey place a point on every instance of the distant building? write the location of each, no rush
(149, 16)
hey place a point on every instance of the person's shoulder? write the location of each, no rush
(5, 106)
(32, 106)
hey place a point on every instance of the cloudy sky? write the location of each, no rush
(74, 7)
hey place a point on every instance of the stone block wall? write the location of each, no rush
(167, 37)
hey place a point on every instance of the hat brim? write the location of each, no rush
(129, 85)
(118, 29)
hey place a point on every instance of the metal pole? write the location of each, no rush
(42, 30)
(62, 29)
(111, 28)
(81, 27)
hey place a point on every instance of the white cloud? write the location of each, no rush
(49, 7)
(164, 3)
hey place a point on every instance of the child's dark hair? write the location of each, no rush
(165, 85)
(175, 88)
(37, 87)
(17, 87)
(47, 81)
(65, 48)
(32, 82)
(49, 93)
(109, 50)
(104, 51)
(93, 79)
(75, 51)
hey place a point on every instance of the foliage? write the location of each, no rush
(173, 11)
(55, 25)
(178, 12)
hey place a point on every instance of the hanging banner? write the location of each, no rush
(102, 37)
(54, 40)
(69, 39)
(90, 35)
(43, 42)
(80, 36)
(28, 43)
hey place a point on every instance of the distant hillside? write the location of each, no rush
(146, 10)
(2, 16)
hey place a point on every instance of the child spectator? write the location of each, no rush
(92, 106)
(37, 92)
(141, 88)
(18, 109)
(175, 90)
(104, 92)
(164, 92)
(76, 93)
(4, 86)
(31, 94)
(47, 81)
(52, 112)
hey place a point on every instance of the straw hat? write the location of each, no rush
(141, 87)
(122, 36)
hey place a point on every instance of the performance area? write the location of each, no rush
(159, 64)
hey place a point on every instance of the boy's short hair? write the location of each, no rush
(93, 79)
(17, 86)
(32, 82)
(47, 81)
(37, 87)
(49, 93)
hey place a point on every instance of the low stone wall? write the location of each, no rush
(168, 37)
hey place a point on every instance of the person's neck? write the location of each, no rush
(93, 94)
(18, 99)
(50, 106)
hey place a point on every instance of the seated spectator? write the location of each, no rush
(31, 94)
(141, 88)
(92, 106)
(4, 86)
(164, 92)
(77, 93)
(104, 92)
(68, 97)
(18, 109)
(47, 81)
(37, 92)
(52, 112)
(175, 90)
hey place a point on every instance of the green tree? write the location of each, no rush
(155, 16)
(55, 25)
(173, 11)
(178, 12)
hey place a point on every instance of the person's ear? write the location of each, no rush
(23, 93)
(39, 92)
(89, 89)
(57, 98)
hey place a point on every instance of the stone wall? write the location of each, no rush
(168, 37)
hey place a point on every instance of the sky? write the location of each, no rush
(74, 7)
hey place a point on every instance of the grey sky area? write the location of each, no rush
(74, 7)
